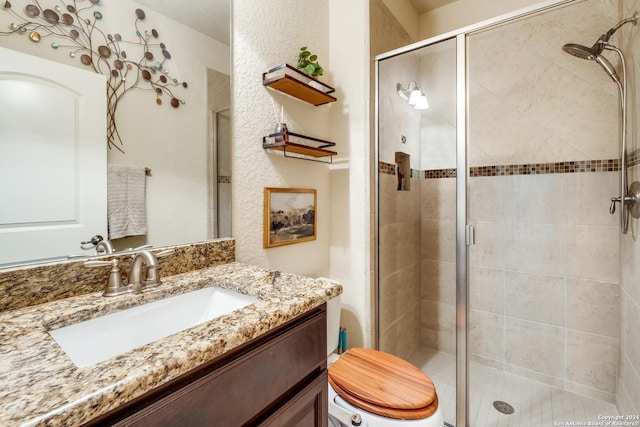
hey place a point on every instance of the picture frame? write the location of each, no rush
(290, 216)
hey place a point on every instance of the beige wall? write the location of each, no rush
(170, 142)
(406, 15)
(350, 182)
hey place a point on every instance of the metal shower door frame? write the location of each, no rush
(463, 229)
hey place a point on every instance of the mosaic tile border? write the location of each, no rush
(386, 168)
(634, 158)
(610, 165)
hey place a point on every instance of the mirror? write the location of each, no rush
(186, 149)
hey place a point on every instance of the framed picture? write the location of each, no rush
(289, 216)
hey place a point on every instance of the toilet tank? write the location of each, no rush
(333, 324)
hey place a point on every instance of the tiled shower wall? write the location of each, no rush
(399, 267)
(544, 278)
(399, 232)
(544, 270)
(544, 293)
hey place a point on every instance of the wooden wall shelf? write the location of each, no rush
(286, 79)
(299, 146)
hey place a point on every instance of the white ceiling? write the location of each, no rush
(210, 17)
(423, 6)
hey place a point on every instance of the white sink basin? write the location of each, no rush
(95, 340)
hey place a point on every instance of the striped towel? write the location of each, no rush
(126, 201)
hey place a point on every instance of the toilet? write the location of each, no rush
(371, 388)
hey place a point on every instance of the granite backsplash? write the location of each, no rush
(31, 285)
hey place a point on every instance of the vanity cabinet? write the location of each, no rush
(279, 379)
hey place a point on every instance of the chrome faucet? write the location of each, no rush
(144, 271)
(104, 247)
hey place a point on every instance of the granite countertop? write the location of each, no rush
(40, 385)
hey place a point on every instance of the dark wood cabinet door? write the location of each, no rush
(308, 408)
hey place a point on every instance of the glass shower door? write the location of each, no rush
(543, 291)
(417, 214)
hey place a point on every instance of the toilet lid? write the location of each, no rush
(383, 384)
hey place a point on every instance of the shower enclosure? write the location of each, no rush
(498, 260)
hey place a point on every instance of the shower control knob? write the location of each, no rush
(356, 420)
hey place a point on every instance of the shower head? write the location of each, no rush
(581, 51)
(593, 54)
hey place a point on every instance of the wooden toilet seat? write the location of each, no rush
(383, 384)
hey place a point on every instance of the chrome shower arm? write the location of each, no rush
(606, 36)
(633, 19)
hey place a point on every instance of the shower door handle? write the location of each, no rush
(470, 235)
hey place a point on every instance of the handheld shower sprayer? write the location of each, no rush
(594, 52)
(627, 199)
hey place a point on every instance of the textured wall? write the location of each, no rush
(266, 34)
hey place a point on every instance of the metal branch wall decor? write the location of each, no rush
(75, 23)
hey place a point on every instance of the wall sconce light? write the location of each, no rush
(414, 95)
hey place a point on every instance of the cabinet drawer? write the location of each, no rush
(248, 386)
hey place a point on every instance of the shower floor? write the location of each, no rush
(535, 404)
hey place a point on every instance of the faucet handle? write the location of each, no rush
(114, 282)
